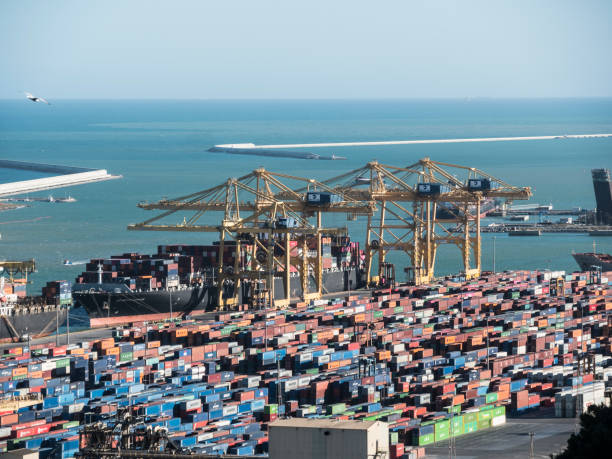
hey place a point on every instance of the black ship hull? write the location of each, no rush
(35, 322)
(587, 261)
(110, 303)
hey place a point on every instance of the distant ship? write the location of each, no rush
(23, 317)
(68, 199)
(587, 261)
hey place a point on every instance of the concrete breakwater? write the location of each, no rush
(68, 176)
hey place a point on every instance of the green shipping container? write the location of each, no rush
(470, 417)
(484, 416)
(499, 411)
(271, 409)
(393, 438)
(454, 409)
(425, 439)
(126, 356)
(440, 436)
(441, 430)
(61, 363)
(484, 424)
(456, 425)
(470, 427)
(336, 408)
(491, 397)
(69, 425)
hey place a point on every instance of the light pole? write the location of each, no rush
(68, 325)
(487, 340)
(56, 323)
(170, 292)
(494, 238)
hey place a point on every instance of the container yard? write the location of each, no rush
(431, 362)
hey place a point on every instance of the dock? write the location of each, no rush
(544, 228)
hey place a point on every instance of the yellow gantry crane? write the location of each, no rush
(272, 227)
(420, 207)
(273, 222)
(17, 267)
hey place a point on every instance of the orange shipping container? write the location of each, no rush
(107, 343)
(9, 419)
(111, 351)
(180, 332)
(21, 371)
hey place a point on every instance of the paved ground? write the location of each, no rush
(75, 337)
(88, 335)
(510, 440)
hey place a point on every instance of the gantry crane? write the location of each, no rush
(410, 218)
(17, 267)
(265, 214)
(271, 213)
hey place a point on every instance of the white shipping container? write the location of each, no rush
(230, 410)
(5, 432)
(291, 384)
(193, 404)
(498, 421)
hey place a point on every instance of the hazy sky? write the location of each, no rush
(306, 49)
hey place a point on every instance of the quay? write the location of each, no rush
(545, 228)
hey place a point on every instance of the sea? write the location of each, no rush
(160, 148)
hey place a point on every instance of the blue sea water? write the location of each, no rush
(160, 149)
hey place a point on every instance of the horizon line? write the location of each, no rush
(406, 98)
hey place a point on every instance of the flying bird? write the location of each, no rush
(36, 99)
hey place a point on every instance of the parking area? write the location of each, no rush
(511, 440)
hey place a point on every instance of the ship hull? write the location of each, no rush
(106, 307)
(35, 323)
(586, 261)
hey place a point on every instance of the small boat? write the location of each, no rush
(74, 263)
(68, 199)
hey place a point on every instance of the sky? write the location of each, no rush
(287, 49)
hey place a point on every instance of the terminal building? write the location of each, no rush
(299, 438)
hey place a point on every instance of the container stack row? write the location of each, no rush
(432, 361)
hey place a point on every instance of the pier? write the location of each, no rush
(544, 228)
(409, 142)
(68, 176)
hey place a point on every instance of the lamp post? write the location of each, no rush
(494, 238)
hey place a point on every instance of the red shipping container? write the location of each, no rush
(396, 450)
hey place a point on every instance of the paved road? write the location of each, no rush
(511, 440)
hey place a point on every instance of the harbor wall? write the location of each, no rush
(59, 181)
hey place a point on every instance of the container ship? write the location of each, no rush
(180, 279)
(23, 317)
(587, 261)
